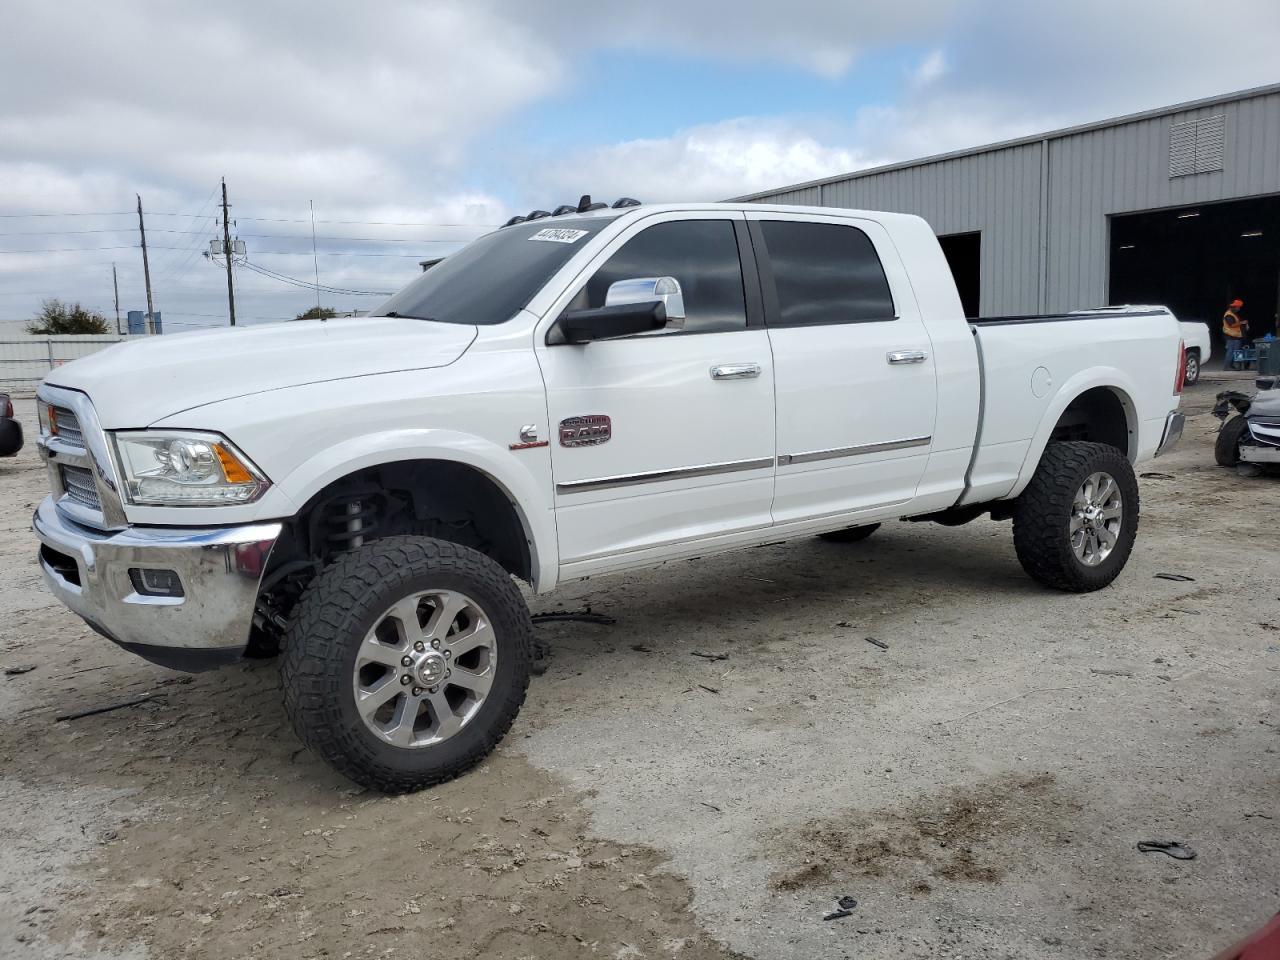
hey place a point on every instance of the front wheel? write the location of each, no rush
(1075, 523)
(406, 662)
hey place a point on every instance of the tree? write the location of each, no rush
(56, 318)
(318, 313)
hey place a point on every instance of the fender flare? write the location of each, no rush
(1110, 378)
(510, 475)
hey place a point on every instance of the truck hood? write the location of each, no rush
(134, 384)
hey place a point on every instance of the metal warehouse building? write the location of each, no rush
(1179, 206)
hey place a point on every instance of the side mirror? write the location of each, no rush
(605, 323)
(665, 290)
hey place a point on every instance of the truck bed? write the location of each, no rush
(1033, 365)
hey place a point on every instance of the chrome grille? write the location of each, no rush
(80, 486)
(68, 426)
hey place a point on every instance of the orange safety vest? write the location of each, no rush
(1232, 325)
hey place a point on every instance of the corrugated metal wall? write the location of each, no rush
(1125, 169)
(997, 193)
(1121, 168)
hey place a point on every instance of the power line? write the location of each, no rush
(272, 253)
(331, 253)
(113, 213)
(127, 246)
(283, 278)
(174, 258)
(303, 220)
(372, 223)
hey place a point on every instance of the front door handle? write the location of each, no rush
(907, 356)
(735, 371)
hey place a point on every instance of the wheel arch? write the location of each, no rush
(1096, 406)
(509, 484)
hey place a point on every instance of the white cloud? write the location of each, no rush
(822, 36)
(930, 69)
(388, 112)
(704, 163)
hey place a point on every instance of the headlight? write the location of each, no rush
(185, 469)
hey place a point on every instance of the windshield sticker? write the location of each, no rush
(559, 235)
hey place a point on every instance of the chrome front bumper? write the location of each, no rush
(1173, 427)
(220, 569)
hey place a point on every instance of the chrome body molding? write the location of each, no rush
(657, 476)
(220, 569)
(787, 459)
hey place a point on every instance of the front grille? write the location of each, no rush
(68, 426)
(78, 482)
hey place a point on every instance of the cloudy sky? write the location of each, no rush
(413, 126)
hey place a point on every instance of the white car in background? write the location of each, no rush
(1195, 337)
(1195, 334)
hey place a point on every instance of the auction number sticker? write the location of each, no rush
(559, 235)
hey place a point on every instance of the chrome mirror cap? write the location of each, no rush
(665, 290)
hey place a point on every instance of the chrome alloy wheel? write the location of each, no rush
(1096, 516)
(424, 670)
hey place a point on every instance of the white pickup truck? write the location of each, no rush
(570, 395)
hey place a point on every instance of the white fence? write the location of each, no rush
(25, 360)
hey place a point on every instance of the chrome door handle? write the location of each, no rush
(907, 356)
(735, 371)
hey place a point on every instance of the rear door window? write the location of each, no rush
(825, 273)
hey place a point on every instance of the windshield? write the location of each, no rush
(491, 279)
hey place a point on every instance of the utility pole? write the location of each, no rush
(315, 257)
(226, 252)
(146, 270)
(115, 285)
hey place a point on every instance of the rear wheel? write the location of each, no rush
(1193, 367)
(851, 534)
(406, 662)
(1226, 449)
(1075, 524)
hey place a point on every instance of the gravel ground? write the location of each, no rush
(978, 787)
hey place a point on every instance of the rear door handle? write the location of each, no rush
(735, 371)
(907, 356)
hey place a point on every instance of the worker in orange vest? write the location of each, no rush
(1234, 328)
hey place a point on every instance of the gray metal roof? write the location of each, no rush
(1021, 141)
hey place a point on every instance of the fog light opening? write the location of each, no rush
(152, 582)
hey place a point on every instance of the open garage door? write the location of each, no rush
(964, 255)
(1196, 260)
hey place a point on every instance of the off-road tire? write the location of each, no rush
(1226, 449)
(1042, 516)
(336, 612)
(850, 534)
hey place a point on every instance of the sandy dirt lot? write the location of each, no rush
(978, 787)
